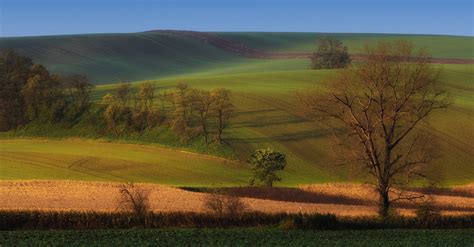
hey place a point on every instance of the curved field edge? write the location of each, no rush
(242, 237)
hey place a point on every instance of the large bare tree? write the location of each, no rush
(377, 109)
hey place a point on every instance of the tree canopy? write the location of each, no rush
(331, 54)
(264, 163)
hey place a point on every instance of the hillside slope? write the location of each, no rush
(107, 58)
(266, 117)
(77, 159)
(262, 92)
(441, 46)
(115, 57)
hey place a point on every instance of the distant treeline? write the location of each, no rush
(29, 93)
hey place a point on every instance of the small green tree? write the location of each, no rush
(43, 95)
(331, 54)
(111, 112)
(265, 162)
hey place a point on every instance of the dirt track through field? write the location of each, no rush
(245, 51)
(103, 196)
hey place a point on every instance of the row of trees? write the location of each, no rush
(188, 111)
(30, 92)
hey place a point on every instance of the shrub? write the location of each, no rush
(427, 212)
(224, 205)
(264, 163)
(134, 199)
(316, 221)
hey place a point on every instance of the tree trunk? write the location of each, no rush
(204, 130)
(384, 201)
(220, 128)
(219, 136)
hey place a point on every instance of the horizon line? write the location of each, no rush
(236, 31)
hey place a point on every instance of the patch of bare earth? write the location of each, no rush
(103, 196)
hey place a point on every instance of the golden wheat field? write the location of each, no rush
(104, 196)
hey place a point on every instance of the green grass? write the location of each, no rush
(107, 58)
(439, 45)
(115, 57)
(77, 159)
(266, 118)
(262, 94)
(239, 237)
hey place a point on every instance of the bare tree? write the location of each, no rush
(134, 199)
(223, 110)
(203, 104)
(183, 99)
(377, 108)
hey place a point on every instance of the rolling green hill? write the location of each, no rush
(107, 58)
(99, 161)
(116, 57)
(262, 90)
(439, 45)
(266, 118)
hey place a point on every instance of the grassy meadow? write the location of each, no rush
(266, 118)
(104, 161)
(440, 45)
(109, 58)
(263, 96)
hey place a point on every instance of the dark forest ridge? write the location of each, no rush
(157, 54)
